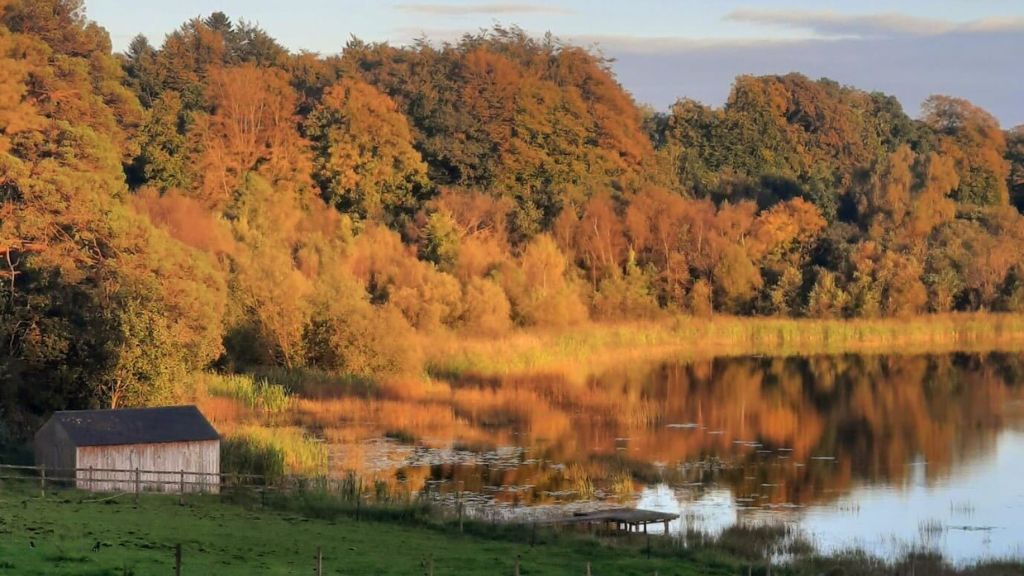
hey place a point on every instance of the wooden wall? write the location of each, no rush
(166, 460)
(54, 450)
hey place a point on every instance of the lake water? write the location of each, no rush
(875, 452)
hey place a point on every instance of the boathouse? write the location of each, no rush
(154, 449)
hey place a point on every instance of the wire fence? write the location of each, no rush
(138, 481)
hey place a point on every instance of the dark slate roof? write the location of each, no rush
(135, 426)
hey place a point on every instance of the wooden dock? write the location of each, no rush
(623, 519)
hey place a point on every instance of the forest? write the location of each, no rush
(221, 203)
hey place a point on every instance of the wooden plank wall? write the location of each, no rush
(53, 448)
(167, 458)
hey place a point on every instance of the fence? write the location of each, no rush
(351, 491)
(137, 481)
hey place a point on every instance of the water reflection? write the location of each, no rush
(847, 446)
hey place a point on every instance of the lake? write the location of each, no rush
(879, 452)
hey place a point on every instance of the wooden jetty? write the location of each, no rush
(623, 519)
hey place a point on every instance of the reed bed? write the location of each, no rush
(583, 349)
(273, 451)
(256, 393)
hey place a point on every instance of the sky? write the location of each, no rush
(669, 49)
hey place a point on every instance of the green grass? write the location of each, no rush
(70, 532)
(228, 539)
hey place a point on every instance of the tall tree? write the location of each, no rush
(364, 160)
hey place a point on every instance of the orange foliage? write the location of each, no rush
(186, 220)
(252, 126)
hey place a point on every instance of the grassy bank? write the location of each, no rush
(78, 533)
(590, 347)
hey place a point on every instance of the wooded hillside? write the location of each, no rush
(220, 202)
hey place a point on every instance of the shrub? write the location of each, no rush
(538, 288)
(486, 308)
(625, 296)
(699, 300)
(349, 335)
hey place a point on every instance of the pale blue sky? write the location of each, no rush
(668, 49)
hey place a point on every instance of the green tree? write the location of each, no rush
(364, 159)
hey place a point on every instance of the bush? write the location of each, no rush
(699, 300)
(625, 296)
(540, 293)
(348, 334)
(486, 308)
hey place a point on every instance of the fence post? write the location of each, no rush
(92, 484)
(181, 488)
(177, 560)
(460, 506)
(319, 561)
(588, 568)
(138, 484)
(42, 481)
(517, 565)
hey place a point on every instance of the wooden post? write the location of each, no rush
(588, 568)
(319, 561)
(177, 560)
(92, 486)
(461, 511)
(138, 484)
(517, 565)
(42, 481)
(181, 488)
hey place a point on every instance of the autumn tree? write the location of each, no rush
(541, 294)
(251, 126)
(973, 138)
(365, 163)
(1015, 156)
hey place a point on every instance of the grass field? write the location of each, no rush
(76, 533)
(59, 535)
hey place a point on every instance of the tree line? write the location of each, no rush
(221, 202)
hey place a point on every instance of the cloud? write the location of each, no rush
(982, 67)
(911, 58)
(667, 44)
(880, 25)
(486, 9)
